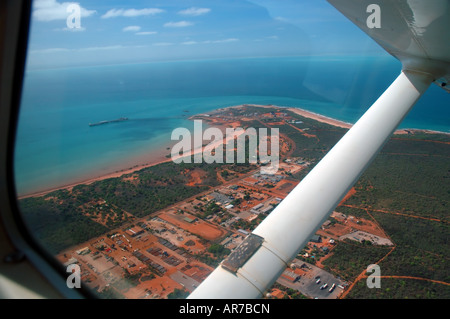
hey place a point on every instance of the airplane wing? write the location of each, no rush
(413, 31)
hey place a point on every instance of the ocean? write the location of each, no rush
(55, 145)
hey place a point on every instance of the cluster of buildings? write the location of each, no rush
(173, 249)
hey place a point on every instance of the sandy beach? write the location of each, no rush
(117, 173)
(338, 123)
(320, 118)
(159, 156)
(155, 160)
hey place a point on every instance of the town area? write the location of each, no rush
(172, 249)
(169, 253)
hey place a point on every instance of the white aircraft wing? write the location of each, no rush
(415, 32)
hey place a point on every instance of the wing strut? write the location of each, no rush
(263, 256)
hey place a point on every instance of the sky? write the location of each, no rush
(121, 31)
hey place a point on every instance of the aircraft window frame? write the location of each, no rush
(17, 226)
(21, 247)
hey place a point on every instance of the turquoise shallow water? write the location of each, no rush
(55, 145)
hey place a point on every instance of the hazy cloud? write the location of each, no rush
(179, 24)
(189, 42)
(50, 10)
(131, 28)
(146, 32)
(222, 41)
(163, 44)
(86, 49)
(49, 50)
(282, 19)
(193, 11)
(111, 47)
(210, 41)
(131, 12)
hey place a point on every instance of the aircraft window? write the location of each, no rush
(108, 84)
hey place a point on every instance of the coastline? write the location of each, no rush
(138, 164)
(116, 173)
(159, 155)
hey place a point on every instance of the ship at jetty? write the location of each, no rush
(110, 121)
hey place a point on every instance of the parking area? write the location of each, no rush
(313, 281)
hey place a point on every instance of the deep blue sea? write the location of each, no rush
(56, 146)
